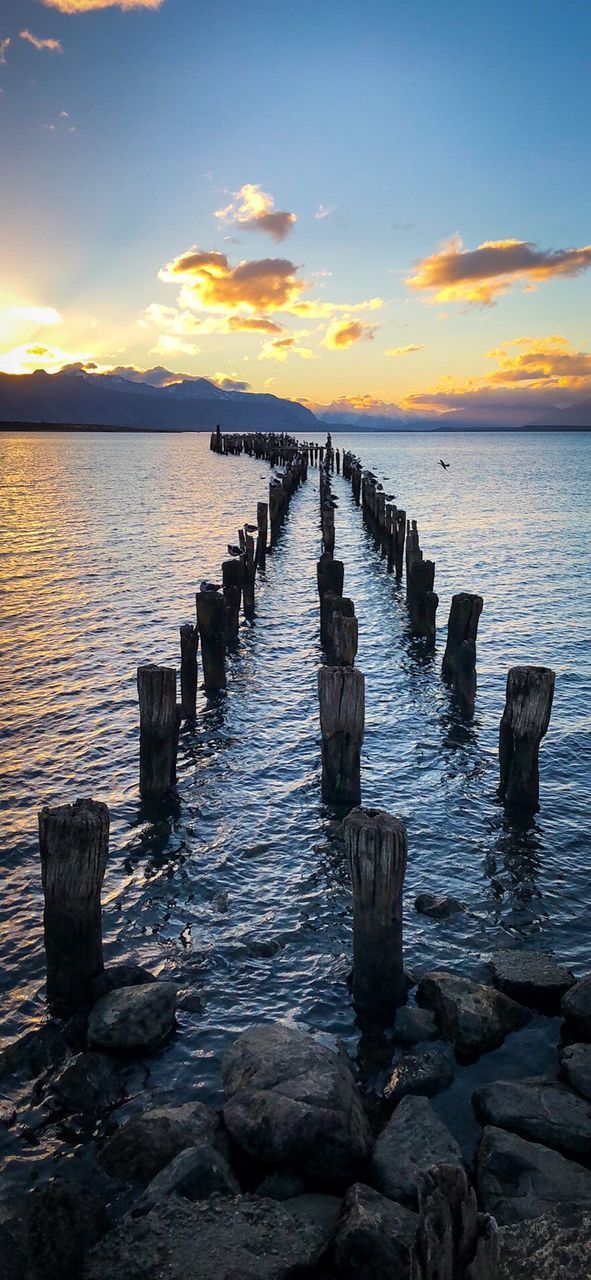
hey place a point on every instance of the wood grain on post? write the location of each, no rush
(330, 575)
(189, 643)
(159, 729)
(454, 1241)
(341, 693)
(524, 722)
(459, 660)
(344, 639)
(233, 579)
(377, 852)
(331, 606)
(262, 524)
(74, 844)
(211, 621)
(248, 598)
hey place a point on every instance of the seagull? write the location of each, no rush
(207, 587)
(251, 528)
(445, 465)
(234, 551)
(390, 497)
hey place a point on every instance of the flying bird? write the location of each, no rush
(445, 465)
(207, 587)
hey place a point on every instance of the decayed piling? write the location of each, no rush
(232, 579)
(344, 637)
(189, 644)
(377, 852)
(421, 598)
(74, 844)
(248, 598)
(459, 659)
(335, 608)
(454, 1241)
(330, 575)
(211, 621)
(525, 720)
(341, 693)
(159, 729)
(262, 524)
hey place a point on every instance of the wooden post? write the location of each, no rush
(330, 575)
(330, 606)
(344, 639)
(399, 536)
(189, 643)
(159, 729)
(232, 578)
(377, 851)
(341, 692)
(454, 1241)
(524, 722)
(74, 844)
(211, 621)
(262, 522)
(249, 576)
(459, 659)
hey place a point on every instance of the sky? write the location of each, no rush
(379, 205)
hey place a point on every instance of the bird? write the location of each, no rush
(445, 465)
(234, 551)
(207, 587)
(390, 497)
(251, 528)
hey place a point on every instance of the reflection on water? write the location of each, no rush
(238, 888)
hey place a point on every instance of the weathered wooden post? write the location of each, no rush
(399, 537)
(330, 575)
(232, 579)
(211, 621)
(74, 844)
(262, 522)
(344, 639)
(159, 729)
(377, 852)
(331, 605)
(341, 692)
(189, 643)
(524, 722)
(248, 599)
(454, 1241)
(459, 660)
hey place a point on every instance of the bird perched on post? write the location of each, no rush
(234, 551)
(251, 528)
(206, 586)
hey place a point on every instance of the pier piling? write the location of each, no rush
(377, 852)
(159, 729)
(341, 693)
(524, 722)
(459, 659)
(211, 622)
(189, 644)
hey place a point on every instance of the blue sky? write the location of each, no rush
(418, 133)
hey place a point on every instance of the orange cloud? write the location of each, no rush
(343, 333)
(85, 6)
(404, 351)
(254, 210)
(52, 46)
(253, 324)
(315, 310)
(481, 275)
(267, 284)
(531, 371)
(280, 348)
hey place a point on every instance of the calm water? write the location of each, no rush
(104, 539)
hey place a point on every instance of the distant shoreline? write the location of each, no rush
(334, 430)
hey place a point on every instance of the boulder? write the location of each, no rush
(531, 977)
(426, 1072)
(65, 1220)
(281, 1186)
(196, 1173)
(576, 1008)
(90, 1082)
(413, 1140)
(145, 1143)
(13, 1263)
(292, 1102)
(33, 1052)
(412, 1025)
(118, 976)
(555, 1246)
(246, 1238)
(375, 1236)
(439, 906)
(476, 1018)
(575, 1066)
(518, 1179)
(133, 1019)
(541, 1110)
(319, 1211)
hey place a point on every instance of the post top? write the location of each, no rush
(376, 819)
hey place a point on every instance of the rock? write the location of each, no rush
(476, 1018)
(321, 1212)
(543, 1111)
(147, 1142)
(576, 1008)
(13, 1263)
(414, 1139)
(118, 976)
(375, 1236)
(412, 1025)
(246, 1238)
(65, 1221)
(133, 1019)
(281, 1186)
(196, 1173)
(532, 977)
(33, 1052)
(438, 906)
(575, 1065)
(7, 1113)
(426, 1072)
(89, 1082)
(293, 1103)
(555, 1246)
(518, 1179)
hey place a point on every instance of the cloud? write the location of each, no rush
(52, 46)
(169, 344)
(255, 324)
(39, 317)
(280, 348)
(323, 212)
(85, 6)
(343, 333)
(3, 47)
(31, 356)
(316, 310)
(254, 210)
(229, 383)
(481, 275)
(267, 284)
(170, 319)
(405, 351)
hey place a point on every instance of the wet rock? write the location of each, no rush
(147, 1142)
(543, 1111)
(118, 976)
(425, 1072)
(318, 1211)
(518, 1179)
(33, 1052)
(190, 999)
(576, 1008)
(89, 1082)
(476, 1018)
(133, 1019)
(438, 906)
(247, 1238)
(531, 977)
(414, 1139)
(575, 1066)
(65, 1221)
(375, 1236)
(13, 1261)
(281, 1186)
(294, 1103)
(412, 1025)
(555, 1246)
(7, 1114)
(220, 902)
(196, 1173)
